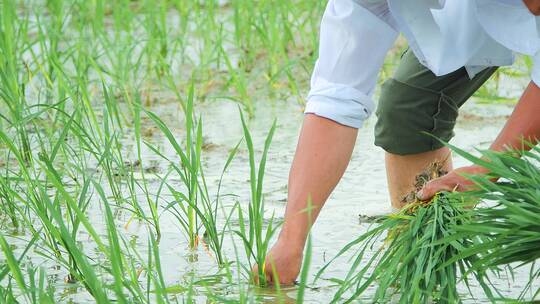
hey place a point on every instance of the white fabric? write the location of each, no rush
(353, 44)
(535, 75)
(444, 35)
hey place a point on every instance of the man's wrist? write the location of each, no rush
(294, 239)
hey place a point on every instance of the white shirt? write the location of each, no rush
(444, 35)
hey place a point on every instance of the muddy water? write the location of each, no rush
(362, 191)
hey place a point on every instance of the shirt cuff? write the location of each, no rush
(348, 112)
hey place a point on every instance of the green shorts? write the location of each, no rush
(415, 102)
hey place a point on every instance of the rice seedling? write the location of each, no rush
(122, 285)
(509, 228)
(116, 170)
(40, 289)
(8, 204)
(60, 238)
(239, 81)
(12, 35)
(257, 238)
(11, 263)
(302, 284)
(196, 208)
(412, 264)
(432, 246)
(121, 265)
(60, 235)
(33, 292)
(189, 171)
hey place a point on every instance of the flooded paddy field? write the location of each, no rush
(125, 172)
(362, 193)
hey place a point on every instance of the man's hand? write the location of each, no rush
(533, 6)
(522, 125)
(453, 181)
(286, 260)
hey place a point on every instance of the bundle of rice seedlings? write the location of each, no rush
(508, 229)
(412, 265)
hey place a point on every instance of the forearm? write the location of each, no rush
(523, 125)
(322, 155)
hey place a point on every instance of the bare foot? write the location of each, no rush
(283, 261)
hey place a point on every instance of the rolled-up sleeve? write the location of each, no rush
(354, 40)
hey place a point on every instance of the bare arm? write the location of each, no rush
(322, 155)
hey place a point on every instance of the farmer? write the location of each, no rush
(454, 47)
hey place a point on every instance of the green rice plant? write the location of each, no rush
(13, 32)
(115, 253)
(509, 227)
(33, 291)
(114, 165)
(12, 265)
(65, 235)
(157, 45)
(207, 211)
(118, 172)
(189, 170)
(40, 289)
(243, 13)
(8, 204)
(58, 234)
(124, 272)
(239, 81)
(303, 283)
(152, 203)
(257, 238)
(159, 282)
(124, 61)
(412, 265)
(81, 192)
(195, 208)
(81, 270)
(235, 275)
(61, 235)
(122, 16)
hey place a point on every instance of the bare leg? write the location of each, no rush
(401, 171)
(322, 155)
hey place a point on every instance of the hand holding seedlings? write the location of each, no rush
(522, 126)
(455, 180)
